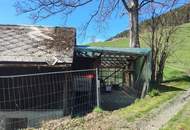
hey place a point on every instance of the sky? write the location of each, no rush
(8, 15)
(115, 25)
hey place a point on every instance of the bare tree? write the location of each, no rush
(161, 40)
(103, 10)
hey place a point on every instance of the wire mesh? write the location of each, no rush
(39, 97)
(111, 76)
(115, 89)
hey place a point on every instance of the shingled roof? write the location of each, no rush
(36, 44)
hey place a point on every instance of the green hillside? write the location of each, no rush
(181, 57)
(182, 14)
(121, 43)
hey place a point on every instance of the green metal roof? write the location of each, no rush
(111, 50)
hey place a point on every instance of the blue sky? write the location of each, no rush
(8, 16)
(115, 25)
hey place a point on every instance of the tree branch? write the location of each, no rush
(144, 2)
(126, 6)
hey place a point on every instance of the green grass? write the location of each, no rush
(121, 43)
(141, 107)
(181, 58)
(167, 91)
(97, 110)
(154, 93)
(181, 121)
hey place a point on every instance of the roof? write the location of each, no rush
(20, 43)
(112, 57)
(115, 51)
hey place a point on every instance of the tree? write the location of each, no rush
(161, 39)
(103, 10)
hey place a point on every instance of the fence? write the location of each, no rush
(26, 100)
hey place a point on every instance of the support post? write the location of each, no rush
(97, 89)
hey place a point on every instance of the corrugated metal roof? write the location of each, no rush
(20, 43)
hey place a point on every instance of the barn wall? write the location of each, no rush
(81, 63)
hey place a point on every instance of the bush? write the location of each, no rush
(154, 92)
(98, 110)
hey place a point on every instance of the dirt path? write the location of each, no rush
(162, 115)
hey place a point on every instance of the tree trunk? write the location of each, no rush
(134, 27)
(161, 68)
(160, 76)
(153, 75)
(154, 48)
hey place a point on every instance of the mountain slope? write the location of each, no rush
(182, 13)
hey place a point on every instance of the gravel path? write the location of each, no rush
(162, 115)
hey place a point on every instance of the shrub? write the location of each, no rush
(98, 110)
(154, 92)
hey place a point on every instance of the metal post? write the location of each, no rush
(97, 89)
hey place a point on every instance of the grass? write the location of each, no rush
(121, 43)
(154, 93)
(180, 121)
(97, 110)
(167, 91)
(142, 107)
(181, 57)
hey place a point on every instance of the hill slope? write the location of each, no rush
(182, 13)
(181, 57)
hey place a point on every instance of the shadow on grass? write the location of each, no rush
(167, 88)
(185, 78)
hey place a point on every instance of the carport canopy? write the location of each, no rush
(112, 57)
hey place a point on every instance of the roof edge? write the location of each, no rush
(32, 25)
(131, 51)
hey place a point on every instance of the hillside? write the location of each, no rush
(182, 13)
(181, 57)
